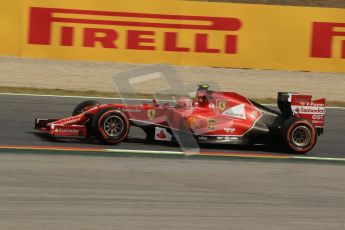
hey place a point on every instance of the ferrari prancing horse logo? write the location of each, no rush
(151, 113)
(221, 105)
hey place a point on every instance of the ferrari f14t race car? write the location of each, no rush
(212, 117)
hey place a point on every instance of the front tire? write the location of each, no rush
(110, 126)
(84, 106)
(299, 135)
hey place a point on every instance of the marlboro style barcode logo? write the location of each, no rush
(141, 30)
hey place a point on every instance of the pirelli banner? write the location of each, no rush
(176, 32)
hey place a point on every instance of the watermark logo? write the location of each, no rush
(126, 83)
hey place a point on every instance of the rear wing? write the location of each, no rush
(298, 105)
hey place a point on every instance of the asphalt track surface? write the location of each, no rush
(86, 192)
(18, 114)
(54, 192)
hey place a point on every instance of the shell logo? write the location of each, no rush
(193, 122)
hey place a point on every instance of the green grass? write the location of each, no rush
(92, 93)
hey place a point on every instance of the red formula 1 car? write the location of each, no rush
(213, 117)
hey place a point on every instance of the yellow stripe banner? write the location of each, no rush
(176, 32)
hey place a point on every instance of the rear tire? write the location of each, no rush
(84, 106)
(299, 135)
(110, 126)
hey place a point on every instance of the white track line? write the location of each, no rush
(136, 151)
(180, 153)
(113, 98)
(319, 158)
(67, 96)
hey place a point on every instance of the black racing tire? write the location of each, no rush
(83, 106)
(299, 135)
(110, 126)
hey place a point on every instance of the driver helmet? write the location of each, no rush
(202, 93)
